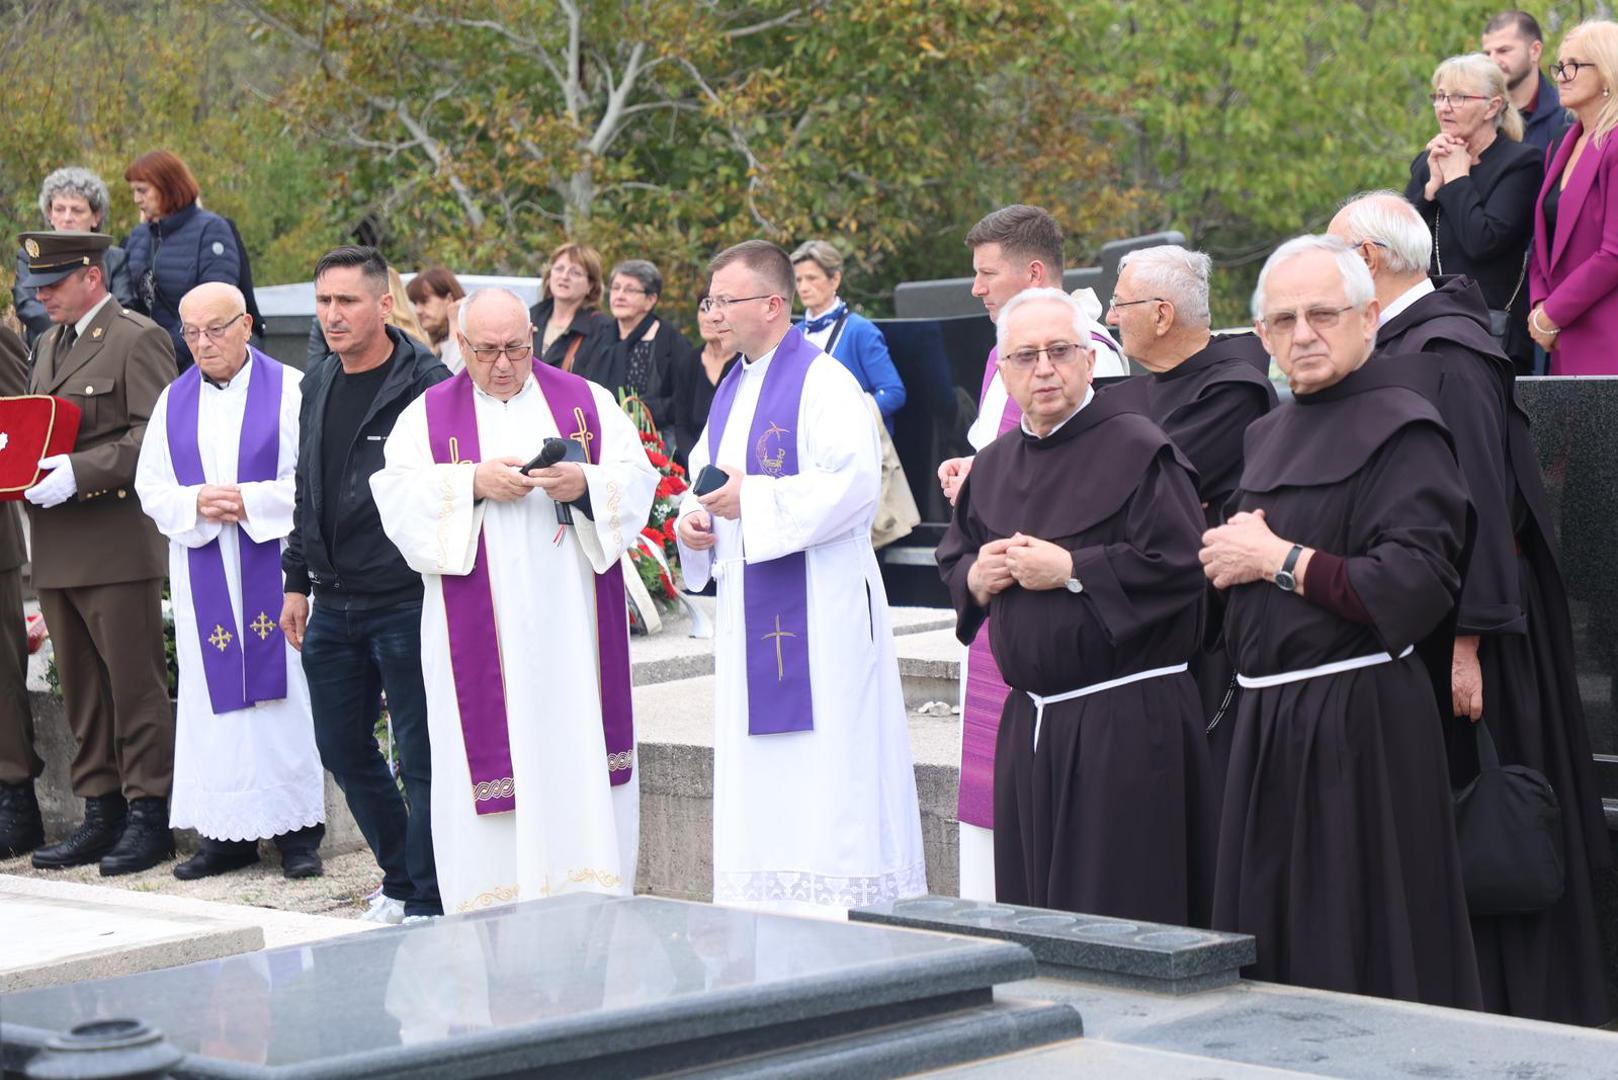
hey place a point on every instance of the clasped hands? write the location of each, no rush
(502, 480)
(1242, 550)
(1447, 159)
(221, 503)
(1027, 561)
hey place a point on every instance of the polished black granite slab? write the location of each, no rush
(616, 986)
(1149, 956)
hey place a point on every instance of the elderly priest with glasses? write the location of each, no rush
(215, 475)
(514, 488)
(814, 789)
(1077, 532)
(1337, 846)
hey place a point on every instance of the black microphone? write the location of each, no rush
(553, 451)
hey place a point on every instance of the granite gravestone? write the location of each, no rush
(609, 986)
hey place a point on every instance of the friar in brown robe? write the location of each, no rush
(1078, 533)
(1344, 550)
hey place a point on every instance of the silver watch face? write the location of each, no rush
(1074, 585)
(1285, 580)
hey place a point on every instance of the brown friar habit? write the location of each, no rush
(1337, 840)
(1112, 814)
(1204, 405)
(1546, 965)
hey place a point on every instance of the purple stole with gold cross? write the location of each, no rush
(776, 592)
(240, 670)
(474, 643)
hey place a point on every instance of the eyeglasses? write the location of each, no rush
(567, 273)
(626, 290)
(720, 303)
(1060, 353)
(1114, 304)
(515, 353)
(1568, 70)
(1454, 101)
(1284, 323)
(192, 334)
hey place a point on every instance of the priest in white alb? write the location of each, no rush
(524, 633)
(215, 474)
(814, 788)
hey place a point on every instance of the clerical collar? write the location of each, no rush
(527, 382)
(89, 316)
(1089, 395)
(1404, 300)
(749, 366)
(236, 378)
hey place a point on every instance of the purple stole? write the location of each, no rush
(986, 691)
(474, 645)
(240, 670)
(776, 620)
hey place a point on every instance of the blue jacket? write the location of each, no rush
(862, 349)
(1548, 120)
(183, 250)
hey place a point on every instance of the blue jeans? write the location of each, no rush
(350, 657)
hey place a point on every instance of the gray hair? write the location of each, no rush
(645, 274)
(1177, 275)
(475, 295)
(1478, 72)
(1081, 317)
(821, 254)
(76, 181)
(1358, 287)
(1386, 218)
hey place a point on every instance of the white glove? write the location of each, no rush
(59, 484)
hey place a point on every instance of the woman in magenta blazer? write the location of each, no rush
(1573, 276)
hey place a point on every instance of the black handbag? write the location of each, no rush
(1509, 826)
(1499, 318)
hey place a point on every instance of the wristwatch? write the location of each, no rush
(1074, 585)
(1284, 580)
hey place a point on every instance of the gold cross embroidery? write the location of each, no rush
(220, 638)
(454, 450)
(584, 434)
(780, 670)
(262, 626)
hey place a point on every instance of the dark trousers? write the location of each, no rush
(19, 761)
(351, 658)
(115, 686)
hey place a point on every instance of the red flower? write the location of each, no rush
(661, 461)
(652, 533)
(666, 488)
(668, 530)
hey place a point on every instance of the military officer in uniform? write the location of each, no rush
(20, 828)
(99, 562)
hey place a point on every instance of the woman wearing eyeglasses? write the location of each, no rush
(1475, 183)
(639, 353)
(566, 323)
(1573, 271)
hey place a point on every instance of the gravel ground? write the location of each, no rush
(340, 893)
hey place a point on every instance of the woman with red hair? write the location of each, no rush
(178, 245)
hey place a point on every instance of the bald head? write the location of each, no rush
(497, 341)
(215, 325)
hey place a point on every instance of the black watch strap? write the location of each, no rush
(1283, 577)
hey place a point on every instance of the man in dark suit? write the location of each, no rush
(98, 560)
(20, 828)
(1513, 40)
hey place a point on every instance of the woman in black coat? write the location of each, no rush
(638, 351)
(696, 376)
(1475, 184)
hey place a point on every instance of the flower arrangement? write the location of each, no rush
(657, 558)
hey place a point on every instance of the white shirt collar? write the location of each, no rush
(753, 367)
(237, 381)
(1404, 300)
(1089, 395)
(89, 316)
(830, 306)
(528, 385)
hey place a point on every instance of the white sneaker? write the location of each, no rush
(412, 920)
(384, 910)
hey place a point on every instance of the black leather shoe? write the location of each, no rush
(146, 842)
(216, 859)
(21, 829)
(301, 864)
(97, 834)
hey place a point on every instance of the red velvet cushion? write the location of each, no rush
(32, 427)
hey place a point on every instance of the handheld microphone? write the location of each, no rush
(553, 451)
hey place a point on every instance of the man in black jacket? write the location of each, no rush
(1512, 39)
(364, 636)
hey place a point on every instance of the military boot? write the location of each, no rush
(147, 839)
(21, 829)
(103, 824)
